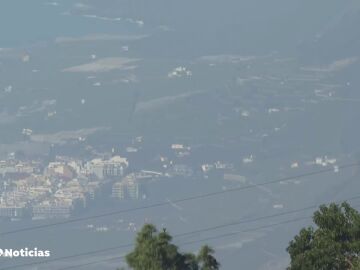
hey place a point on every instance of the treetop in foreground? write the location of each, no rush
(334, 244)
(155, 251)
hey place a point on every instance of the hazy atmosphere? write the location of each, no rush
(225, 122)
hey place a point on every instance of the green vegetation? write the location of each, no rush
(154, 251)
(333, 245)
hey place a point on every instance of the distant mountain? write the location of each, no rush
(338, 38)
(243, 26)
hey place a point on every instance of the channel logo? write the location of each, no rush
(23, 253)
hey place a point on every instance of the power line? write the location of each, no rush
(204, 239)
(243, 221)
(68, 257)
(177, 235)
(193, 242)
(259, 218)
(92, 263)
(191, 198)
(251, 229)
(244, 231)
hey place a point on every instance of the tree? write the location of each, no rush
(154, 251)
(207, 260)
(333, 245)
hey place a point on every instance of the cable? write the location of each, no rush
(181, 234)
(193, 242)
(204, 239)
(177, 235)
(92, 263)
(260, 218)
(68, 257)
(247, 230)
(161, 204)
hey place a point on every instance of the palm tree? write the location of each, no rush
(155, 251)
(207, 260)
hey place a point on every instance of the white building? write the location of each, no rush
(128, 188)
(113, 167)
(52, 209)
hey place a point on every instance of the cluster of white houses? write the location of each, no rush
(32, 189)
(57, 190)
